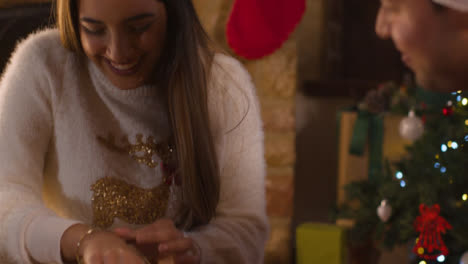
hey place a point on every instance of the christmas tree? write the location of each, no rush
(422, 200)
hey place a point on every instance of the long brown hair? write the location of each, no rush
(184, 68)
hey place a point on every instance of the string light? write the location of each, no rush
(443, 170)
(399, 175)
(420, 251)
(437, 165)
(403, 184)
(449, 144)
(422, 262)
(464, 101)
(441, 258)
(459, 91)
(466, 138)
(465, 197)
(443, 148)
(466, 122)
(437, 156)
(454, 145)
(459, 98)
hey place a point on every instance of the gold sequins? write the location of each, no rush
(142, 151)
(115, 198)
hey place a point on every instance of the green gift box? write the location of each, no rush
(318, 243)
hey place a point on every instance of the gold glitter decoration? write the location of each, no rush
(115, 198)
(142, 151)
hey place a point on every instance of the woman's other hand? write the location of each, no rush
(98, 247)
(163, 238)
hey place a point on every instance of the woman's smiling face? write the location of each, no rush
(124, 38)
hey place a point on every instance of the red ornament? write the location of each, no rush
(448, 111)
(430, 225)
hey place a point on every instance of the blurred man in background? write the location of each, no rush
(432, 36)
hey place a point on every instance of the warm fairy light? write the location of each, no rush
(420, 251)
(464, 101)
(465, 197)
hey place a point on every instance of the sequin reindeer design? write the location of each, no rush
(114, 198)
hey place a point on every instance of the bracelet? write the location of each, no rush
(78, 245)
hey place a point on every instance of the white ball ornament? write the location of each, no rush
(411, 127)
(384, 211)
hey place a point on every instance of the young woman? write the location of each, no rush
(126, 139)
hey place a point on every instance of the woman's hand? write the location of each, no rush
(104, 247)
(163, 238)
(99, 247)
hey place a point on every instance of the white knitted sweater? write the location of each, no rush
(54, 108)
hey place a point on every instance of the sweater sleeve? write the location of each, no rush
(29, 231)
(239, 231)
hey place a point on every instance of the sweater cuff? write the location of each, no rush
(43, 236)
(199, 245)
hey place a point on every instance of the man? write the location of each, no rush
(432, 36)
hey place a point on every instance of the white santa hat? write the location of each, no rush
(460, 5)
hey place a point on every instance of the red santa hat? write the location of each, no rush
(257, 28)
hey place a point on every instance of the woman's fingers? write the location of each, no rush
(111, 257)
(162, 240)
(108, 248)
(95, 258)
(157, 235)
(125, 233)
(130, 258)
(187, 259)
(176, 247)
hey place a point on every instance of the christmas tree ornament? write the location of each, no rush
(448, 110)
(384, 211)
(257, 28)
(464, 258)
(430, 225)
(411, 127)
